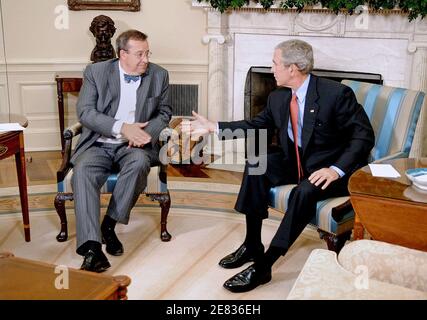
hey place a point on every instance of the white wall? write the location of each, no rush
(36, 50)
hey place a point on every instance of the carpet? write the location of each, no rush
(184, 268)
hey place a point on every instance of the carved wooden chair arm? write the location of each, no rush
(68, 135)
(73, 131)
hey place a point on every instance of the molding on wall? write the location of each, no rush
(39, 77)
(16, 66)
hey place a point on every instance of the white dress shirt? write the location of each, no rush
(126, 110)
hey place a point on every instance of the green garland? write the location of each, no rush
(413, 8)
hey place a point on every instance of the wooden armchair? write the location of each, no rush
(156, 188)
(394, 114)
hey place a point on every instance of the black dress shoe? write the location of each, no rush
(95, 261)
(114, 246)
(239, 257)
(248, 279)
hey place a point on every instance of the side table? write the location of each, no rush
(24, 279)
(12, 143)
(66, 82)
(391, 209)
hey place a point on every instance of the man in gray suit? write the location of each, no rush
(123, 106)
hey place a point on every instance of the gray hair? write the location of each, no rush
(297, 52)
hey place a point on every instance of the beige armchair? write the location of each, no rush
(364, 269)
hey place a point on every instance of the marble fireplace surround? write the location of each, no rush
(387, 44)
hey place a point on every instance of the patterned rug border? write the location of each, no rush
(172, 185)
(42, 198)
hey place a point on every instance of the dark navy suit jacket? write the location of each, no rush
(336, 130)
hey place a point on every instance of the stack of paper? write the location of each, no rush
(4, 127)
(384, 170)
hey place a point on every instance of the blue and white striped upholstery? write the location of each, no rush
(324, 219)
(393, 113)
(154, 184)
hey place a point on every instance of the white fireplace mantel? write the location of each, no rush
(379, 43)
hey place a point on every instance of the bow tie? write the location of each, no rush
(129, 78)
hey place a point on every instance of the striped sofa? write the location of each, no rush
(394, 113)
(156, 186)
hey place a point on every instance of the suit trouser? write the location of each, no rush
(91, 171)
(253, 197)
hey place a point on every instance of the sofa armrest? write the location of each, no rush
(323, 278)
(387, 262)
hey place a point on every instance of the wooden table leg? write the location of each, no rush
(22, 181)
(358, 228)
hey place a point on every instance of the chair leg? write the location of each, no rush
(334, 242)
(60, 210)
(165, 203)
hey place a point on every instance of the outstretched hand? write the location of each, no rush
(199, 126)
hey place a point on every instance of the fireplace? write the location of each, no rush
(260, 82)
(386, 44)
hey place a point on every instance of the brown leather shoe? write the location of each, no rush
(239, 257)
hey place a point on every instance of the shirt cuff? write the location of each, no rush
(117, 127)
(217, 128)
(338, 170)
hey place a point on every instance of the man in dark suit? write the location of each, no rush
(123, 106)
(325, 136)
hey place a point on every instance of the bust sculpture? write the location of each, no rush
(102, 27)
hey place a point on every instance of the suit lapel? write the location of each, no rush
(114, 87)
(310, 113)
(141, 96)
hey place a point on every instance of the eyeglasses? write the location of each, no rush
(140, 55)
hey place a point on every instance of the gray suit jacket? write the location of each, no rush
(100, 96)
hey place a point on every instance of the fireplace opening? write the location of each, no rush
(260, 82)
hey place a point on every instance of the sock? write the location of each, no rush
(272, 255)
(253, 231)
(108, 222)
